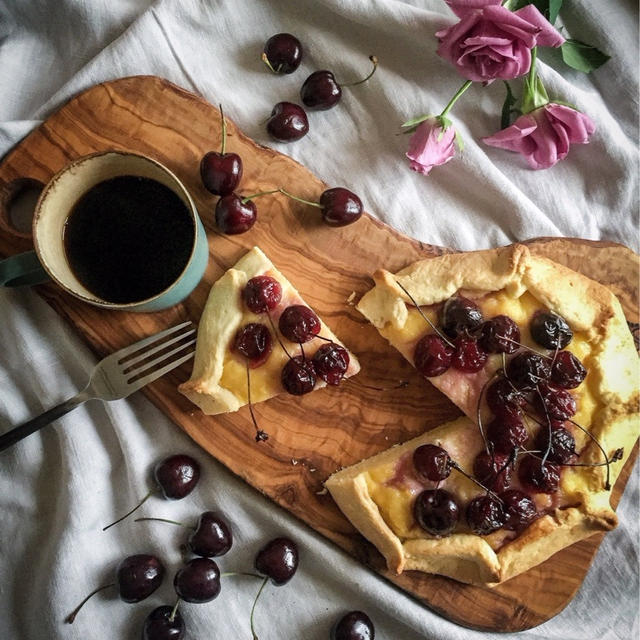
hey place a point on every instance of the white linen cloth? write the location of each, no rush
(59, 487)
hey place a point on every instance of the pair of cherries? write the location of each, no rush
(321, 91)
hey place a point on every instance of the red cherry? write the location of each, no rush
(320, 90)
(492, 470)
(485, 515)
(340, 207)
(288, 122)
(432, 462)
(567, 371)
(235, 215)
(221, 172)
(331, 362)
(519, 509)
(500, 335)
(557, 403)
(506, 433)
(298, 376)
(468, 356)
(298, 323)
(432, 355)
(262, 294)
(254, 342)
(503, 399)
(539, 478)
(283, 53)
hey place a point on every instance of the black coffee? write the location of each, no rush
(128, 238)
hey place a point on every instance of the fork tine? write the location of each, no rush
(147, 366)
(138, 384)
(131, 361)
(136, 346)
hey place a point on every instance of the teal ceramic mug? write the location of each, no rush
(49, 260)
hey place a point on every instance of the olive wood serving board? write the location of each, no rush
(312, 436)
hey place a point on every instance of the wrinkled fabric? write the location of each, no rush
(492, 42)
(61, 486)
(544, 136)
(430, 146)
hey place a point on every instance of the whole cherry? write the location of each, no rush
(262, 294)
(331, 362)
(339, 206)
(460, 315)
(432, 355)
(278, 560)
(299, 323)
(198, 581)
(298, 376)
(164, 623)
(485, 515)
(355, 625)
(436, 511)
(288, 122)
(282, 53)
(254, 342)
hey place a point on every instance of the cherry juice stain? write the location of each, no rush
(128, 238)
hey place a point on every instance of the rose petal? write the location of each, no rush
(430, 146)
(548, 36)
(462, 7)
(579, 126)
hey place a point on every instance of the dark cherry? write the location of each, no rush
(355, 625)
(432, 462)
(485, 515)
(538, 478)
(526, 369)
(287, 122)
(500, 335)
(436, 511)
(331, 362)
(320, 90)
(567, 371)
(283, 53)
(212, 536)
(299, 323)
(221, 172)
(262, 294)
(550, 330)
(519, 509)
(468, 356)
(492, 470)
(159, 626)
(254, 342)
(503, 399)
(563, 444)
(554, 402)
(177, 476)
(198, 581)
(298, 376)
(340, 207)
(432, 355)
(139, 576)
(278, 560)
(506, 433)
(460, 315)
(234, 215)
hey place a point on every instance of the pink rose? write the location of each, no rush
(544, 135)
(430, 146)
(492, 42)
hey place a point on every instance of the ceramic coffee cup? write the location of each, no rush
(49, 260)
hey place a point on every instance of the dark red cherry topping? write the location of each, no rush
(527, 369)
(283, 53)
(340, 207)
(493, 471)
(436, 511)
(158, 625)
(559, 403)
(504, 399)
(506, 433)
(287, 122)
(460, 315)
(254, 342)
(262, 294)
(212, 536)
(298, 376)
(485, 515)
(221, 172)
(432, 355)
(519, 509)
(299, 323)
(538, 478)
(331, 362)
(278, 560)
(432, 462)
(567, 371)
(355, 625)
(563, 444)
(198, 581)
(177, 476)
(468, 356)
(234, 215)
(500, 335)
(550, 330)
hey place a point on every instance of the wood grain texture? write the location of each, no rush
(310, 437)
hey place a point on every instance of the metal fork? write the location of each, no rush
(119, 375)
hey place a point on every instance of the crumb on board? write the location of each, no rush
(351, 297)
(322, 492)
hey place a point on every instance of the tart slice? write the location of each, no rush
(258, 336)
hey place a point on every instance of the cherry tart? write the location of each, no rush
(257, 338)
(541, 360)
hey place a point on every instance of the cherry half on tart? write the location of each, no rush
(299, 323)
(506, 433)
(468, 356)
(493, 470)
(298, 376)
(499, 335)
(331, 362)
(567, 371)
(485, 515)
(538, 477)
(436, 511)
(254, 342)
(525, 370)
(519, 509)
(504, 399)
(562, 448)
(557, 404)
(550, 330)
(432, 462)
(432, 355)
(460, 315)
(262, 294)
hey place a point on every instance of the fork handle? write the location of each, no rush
(35, 424)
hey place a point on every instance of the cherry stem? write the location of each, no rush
(374, 60)
(607, 484)
(261, 435)
(253, 608)
(172, 617)
(417, 306)
(241, 573)
(72, 616)
(180, 524)
(224, 131)
(246, 199)
(290, 195)
(134, 508)
(457, 467)
(273, 326)
(266, 61)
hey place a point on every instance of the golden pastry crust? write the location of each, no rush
(611, 403)
(223, 315)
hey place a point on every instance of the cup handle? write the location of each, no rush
(22, 270)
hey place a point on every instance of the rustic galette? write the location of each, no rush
(541, 361)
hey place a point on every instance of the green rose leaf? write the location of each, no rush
(582, 56)
(548, 8)
(509, 101)
(416, 121)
